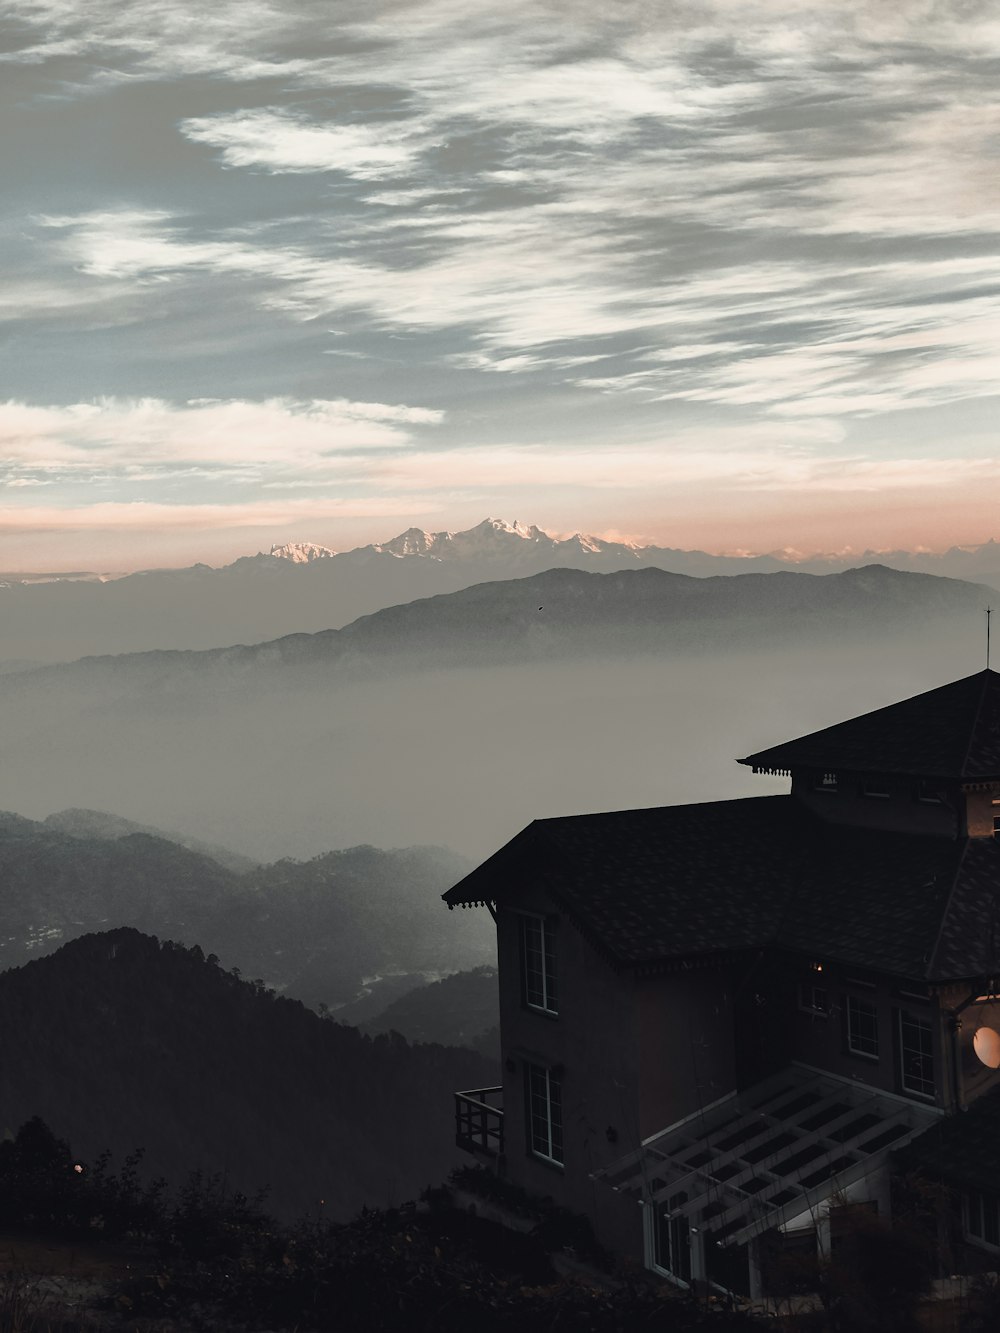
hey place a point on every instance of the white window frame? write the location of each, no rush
(677, 1231)
(549, 1122)
(929, 1027)
(854, 1050)
(545, 969)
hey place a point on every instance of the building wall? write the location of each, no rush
(687, 1049)
(593, 1047)
(900, 812)
(821, 1040)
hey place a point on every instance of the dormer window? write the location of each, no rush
(538, 963)
(875, 787)
(825, 782)
(928, 792)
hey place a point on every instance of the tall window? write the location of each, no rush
(545, 1130)
(862, 1027)
(672, 1239)
(538, 964)
(984, 1217)
(916, 1055)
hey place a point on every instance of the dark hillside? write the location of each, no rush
(322, 926)
(118, 1041)
(316, 928)
(54, 887)
(457, 1010)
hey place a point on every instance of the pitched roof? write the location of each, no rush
(949, 732)
(649, 887)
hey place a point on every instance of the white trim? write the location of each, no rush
(650, 1228)
(546, 938)
(548, 1123)
(854, 1050)
(855, 1082)
(929, 1026)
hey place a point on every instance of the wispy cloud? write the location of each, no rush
(274, 432)
(782, 216)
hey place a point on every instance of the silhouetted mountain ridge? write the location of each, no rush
(559, 613)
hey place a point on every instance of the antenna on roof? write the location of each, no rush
(989, 612)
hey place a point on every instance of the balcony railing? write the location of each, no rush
(479, 1120)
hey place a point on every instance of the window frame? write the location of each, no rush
(807, 1005)
(856, 1002)
(928, 1027)
(545, 969)
(550, 1121)
(975, 1204)
(675, 1230)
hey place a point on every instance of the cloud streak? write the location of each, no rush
(665, 218)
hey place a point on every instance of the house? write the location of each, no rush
(721, 1022)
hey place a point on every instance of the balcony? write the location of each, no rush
(479, 1121)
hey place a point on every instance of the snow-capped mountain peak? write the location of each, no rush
(301, 553)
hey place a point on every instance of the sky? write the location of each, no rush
(707, 274)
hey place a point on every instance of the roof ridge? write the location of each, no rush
(975, 721)
(932, 957)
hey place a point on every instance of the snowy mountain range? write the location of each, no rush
(303, 587)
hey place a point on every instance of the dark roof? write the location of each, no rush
(650, 887)
(950, 732)
(963, 1150)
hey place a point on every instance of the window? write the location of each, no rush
(916, 1055)
(875, 787)
(672, 1240)
(862, 1027)
(825, 782)
(928, 792)
(814, 1000)
(544, 1095)
(538, 964)
(984, 1217)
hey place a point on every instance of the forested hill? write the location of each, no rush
(118, 1041)
(54, 886)
(316, 928)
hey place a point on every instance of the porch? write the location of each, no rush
(772, 1158)
(479, 1121)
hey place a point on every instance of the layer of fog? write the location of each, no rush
(462, 758)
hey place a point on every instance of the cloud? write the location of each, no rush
(784, 214)
(282, 142)
(273, 433)
(146, 517)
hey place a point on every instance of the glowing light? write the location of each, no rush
(986, 1044)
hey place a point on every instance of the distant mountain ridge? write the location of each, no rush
(304, 587)
(97, 824)
(315, 928)
(561, 613)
